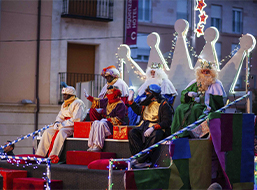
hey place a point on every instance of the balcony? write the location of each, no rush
(93, 83)
(100, 10)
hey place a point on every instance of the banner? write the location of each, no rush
(131, 22)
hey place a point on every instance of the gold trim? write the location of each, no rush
(95, 103)
(111, 106)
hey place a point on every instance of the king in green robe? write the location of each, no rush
(202, 95)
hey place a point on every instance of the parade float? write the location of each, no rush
(183, 163)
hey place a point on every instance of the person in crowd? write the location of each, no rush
(113, 112)
(154, 75)
(8, 150)
(156, 118)
(72, 110)
(111, 74)
(203, 95)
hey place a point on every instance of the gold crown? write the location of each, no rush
(206, 64)
(156, 66)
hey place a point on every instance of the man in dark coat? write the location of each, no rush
(156, 114)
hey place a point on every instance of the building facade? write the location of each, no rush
(43, 43)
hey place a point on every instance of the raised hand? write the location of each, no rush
(85, 93)
(192, 94)
(131, 95)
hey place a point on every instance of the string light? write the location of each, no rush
(173, 44)
(232, 53)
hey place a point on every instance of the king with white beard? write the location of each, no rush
(203, 95)
(154, 75)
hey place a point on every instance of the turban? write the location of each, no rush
(111, 70)
(69, 90)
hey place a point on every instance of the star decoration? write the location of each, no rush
(199, 30)
(203, 17)
(200, 5)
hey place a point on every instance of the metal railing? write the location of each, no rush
(72, 79)
(88, 9)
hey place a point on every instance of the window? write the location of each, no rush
(182, 9)
(218, 50)
(141, 51)
(234, 48)
(216, 16)
(237, 25)
(144, 10)
(239, 82)
(101, 10)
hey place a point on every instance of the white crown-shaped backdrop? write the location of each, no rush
(181, 71)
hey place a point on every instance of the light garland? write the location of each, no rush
(120, 61)
(38, 160)
(202, 17)
(173, 44)
(232, 53)
(16, 159)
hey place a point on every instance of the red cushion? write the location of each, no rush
(35, 183)
(77, 157)
(9, 175)
(103, 164)
(21, 161)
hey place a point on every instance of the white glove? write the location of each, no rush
(58, 126)
(148, 132)
(192, 94)
(197, 99)
(131, 95)
(85, 93)
(208, 109)
(99, 110)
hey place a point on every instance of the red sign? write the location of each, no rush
(131, 22)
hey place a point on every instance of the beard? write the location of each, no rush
(147, 101)
(204, 81)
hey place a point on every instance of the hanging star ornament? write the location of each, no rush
(199, 30)
(203, 17)
(200, 5)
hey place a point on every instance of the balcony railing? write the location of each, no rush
(94, 82)
(101, 10)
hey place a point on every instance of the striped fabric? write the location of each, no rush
(233, 139)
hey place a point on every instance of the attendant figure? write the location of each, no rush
(72, 110)
(202, 95)
(111, 74)
(156, 118)
(154, 75)
(113, 112)
(8, 151)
